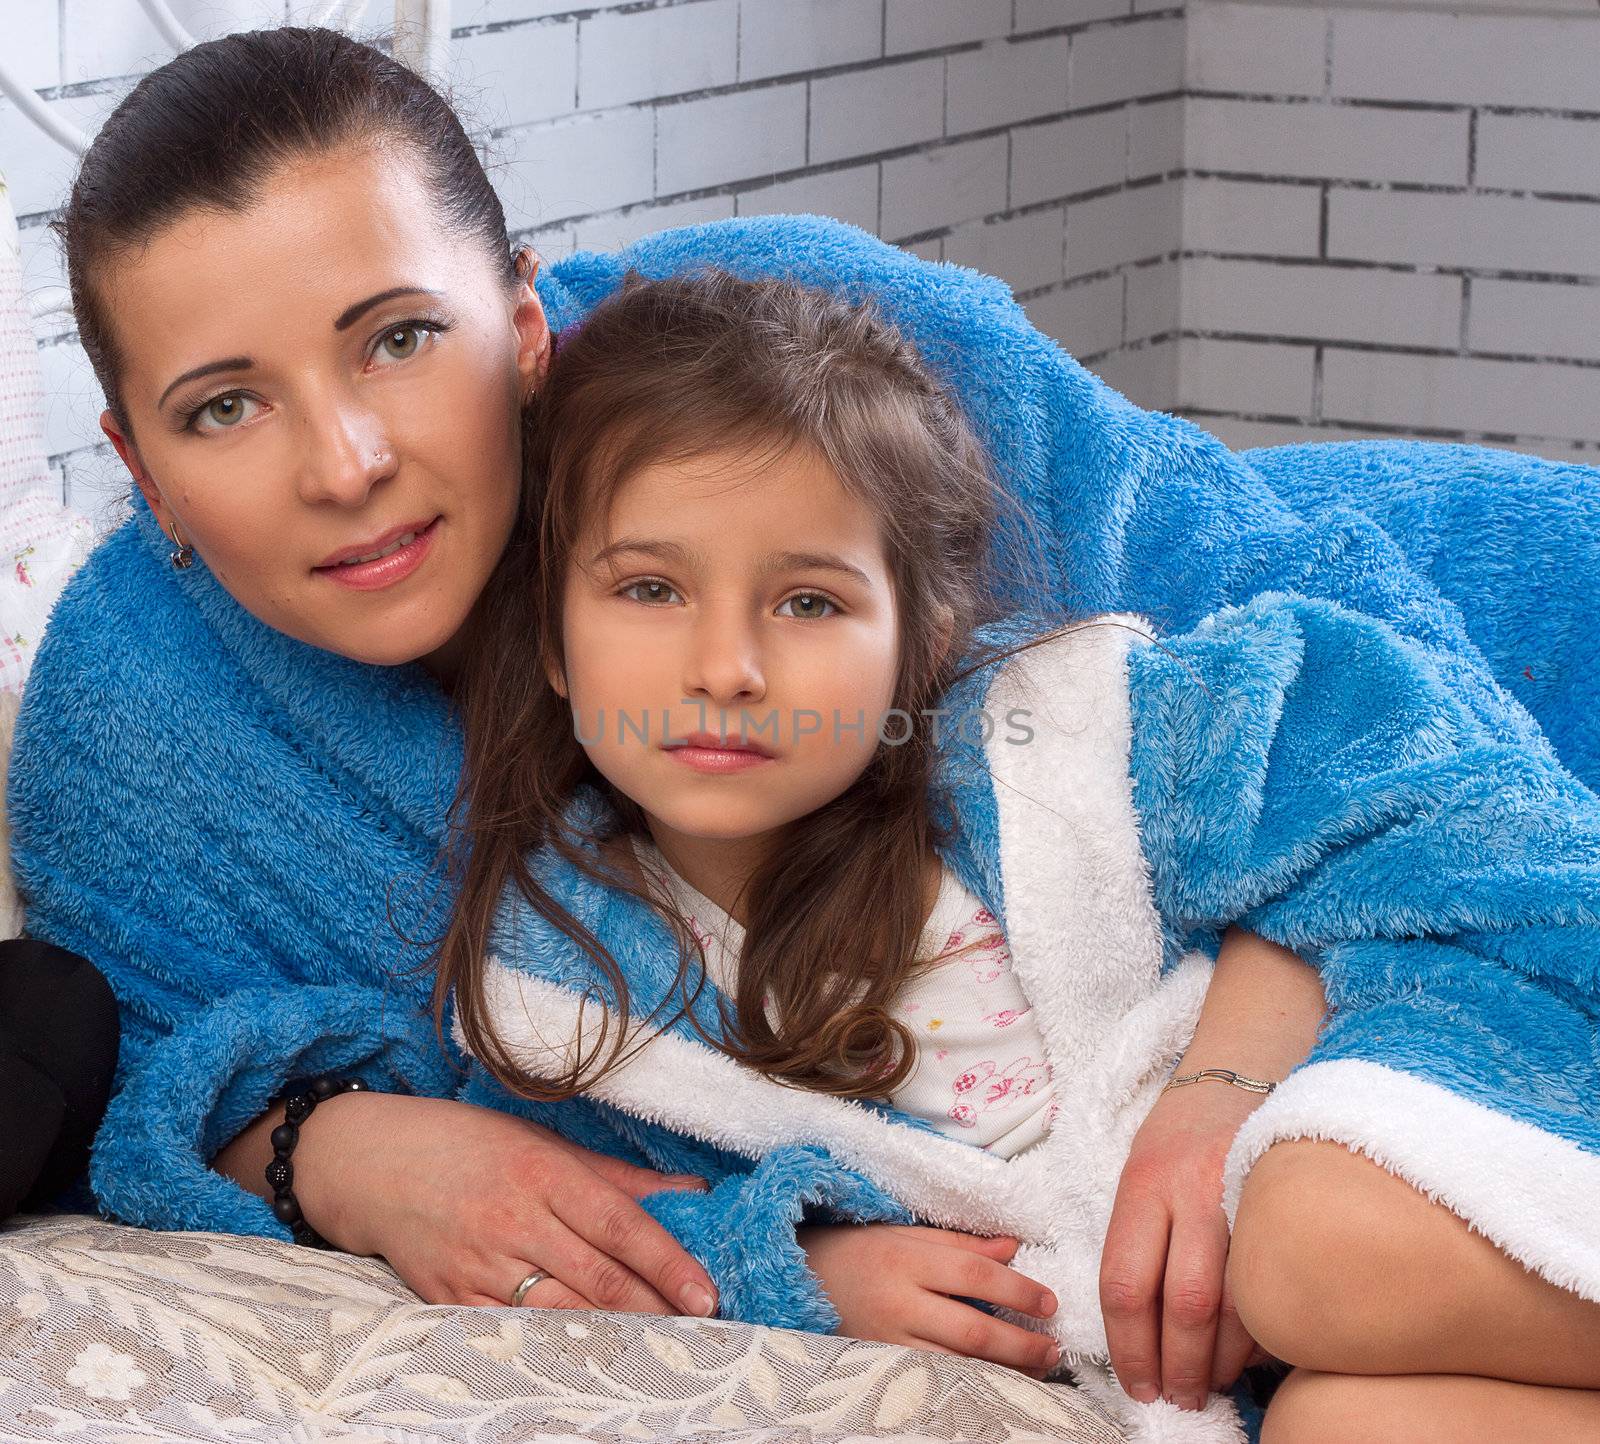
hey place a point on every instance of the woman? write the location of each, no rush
(230, 785)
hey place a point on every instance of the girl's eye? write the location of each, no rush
(222, 413)
(401, 343)
(809, 606)
(655, 593)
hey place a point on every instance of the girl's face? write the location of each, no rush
(724, 593)
(330, 374)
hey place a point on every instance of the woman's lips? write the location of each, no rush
(386, 570)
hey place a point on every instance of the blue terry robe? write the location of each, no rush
(231, 825)
(1288, 765)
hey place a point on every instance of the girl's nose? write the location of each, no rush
(347, 454)
(724, 665)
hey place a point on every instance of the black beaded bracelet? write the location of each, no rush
(297, 1107)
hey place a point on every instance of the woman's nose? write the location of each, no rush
(347, 453)
(724, 664)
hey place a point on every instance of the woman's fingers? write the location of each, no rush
(635, 1181)
(627, 1261)
(639, 1182)
(1191, 1302)
(1235, 1350)
(1131, 1271)
(553, 1294)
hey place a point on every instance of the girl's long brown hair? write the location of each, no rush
(662, 371)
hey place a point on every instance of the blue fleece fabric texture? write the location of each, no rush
(241, 830)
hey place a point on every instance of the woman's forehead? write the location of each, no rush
(322, 233)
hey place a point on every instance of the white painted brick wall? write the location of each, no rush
(517, 75)
(778, 37)
(1027, 252)
(1315, 301)
(730, 137)
(1085, 316)
(1034, 15)
(1278, 379)
(1068, 157)
(848, 194)
(1405, 196)
(1545, 62)
(935, 24)
(1267, 137)
(1457, 393)
(1007, 81)
(1114, 62)
(1250, 218)
(1535, 318)
(1539, 153)
(925, 191)
(884, 107)
(633, 55)
(1283, 56)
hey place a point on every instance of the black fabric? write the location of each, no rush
(58, 1056)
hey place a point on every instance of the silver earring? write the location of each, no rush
(183, 557)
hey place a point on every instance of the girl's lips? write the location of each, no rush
(718, 759)
(386, 571)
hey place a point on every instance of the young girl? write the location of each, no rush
(942, 881)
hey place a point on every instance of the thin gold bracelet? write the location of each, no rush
(1222, 1075)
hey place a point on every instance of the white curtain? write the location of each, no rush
(41, 541)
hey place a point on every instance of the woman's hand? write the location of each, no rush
(1169, 1318)
(905, 1285)
(465, 1202)
(1170, 1322)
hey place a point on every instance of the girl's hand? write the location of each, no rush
(905, 1285)
(464, 1202)
(1169, 1318)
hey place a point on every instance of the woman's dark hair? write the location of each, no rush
(209, 129)
(660, 372)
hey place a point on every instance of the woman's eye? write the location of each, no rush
(222, 413)
(809, 605)
(651, 593)
(401, 343)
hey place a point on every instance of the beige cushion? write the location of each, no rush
(111, 1333)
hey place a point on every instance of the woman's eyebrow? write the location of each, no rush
(351, 314)
(231, 363)
(345, 320)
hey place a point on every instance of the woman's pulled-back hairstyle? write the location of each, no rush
(661, 372)
(208, 129)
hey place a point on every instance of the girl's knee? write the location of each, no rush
(1316, 1408)
(1311, 1250)
(1313, 1408)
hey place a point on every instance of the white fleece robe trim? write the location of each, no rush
(1530, 1193)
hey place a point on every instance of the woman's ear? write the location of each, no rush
(122, 443)
(533, 329)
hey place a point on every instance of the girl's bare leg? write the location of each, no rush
(1312, 1408)
(1341, 1268)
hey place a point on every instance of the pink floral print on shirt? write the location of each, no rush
(986, 955)
(986, 1087)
